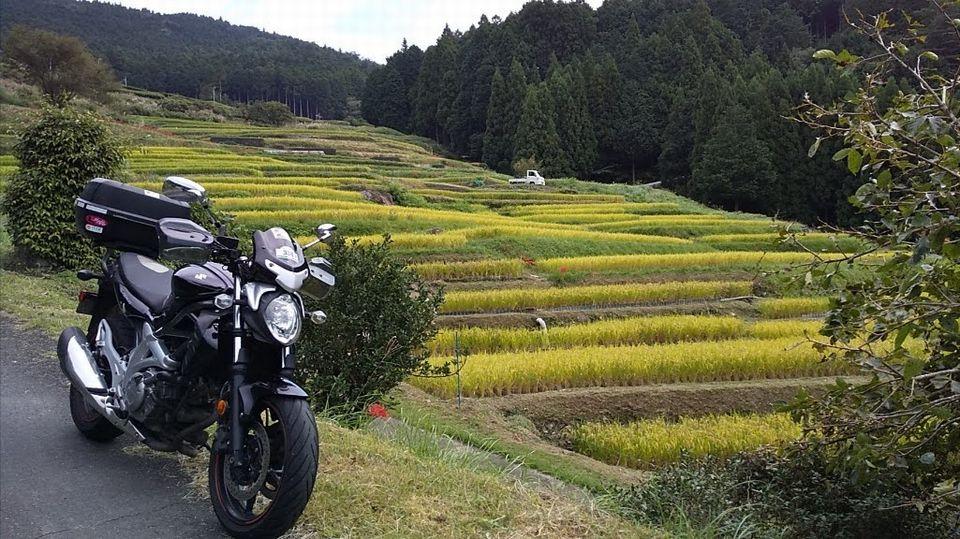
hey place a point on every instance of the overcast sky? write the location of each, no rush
(372, 28)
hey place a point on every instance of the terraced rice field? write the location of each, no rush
(643, 443)
(647, 288)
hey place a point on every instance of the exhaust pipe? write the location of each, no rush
(77, 363)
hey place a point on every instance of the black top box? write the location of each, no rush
(124, 217)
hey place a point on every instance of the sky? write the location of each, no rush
(372, 28)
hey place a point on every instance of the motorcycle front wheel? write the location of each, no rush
(265, 493)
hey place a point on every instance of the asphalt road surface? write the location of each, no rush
(55, 483)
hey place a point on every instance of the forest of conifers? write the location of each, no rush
(202, 57)
(690, 92)
(694, 93)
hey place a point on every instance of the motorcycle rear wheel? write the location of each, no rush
(89, 421)
(266, 495)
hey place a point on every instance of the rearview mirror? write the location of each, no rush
(325, 232)
(184, 190)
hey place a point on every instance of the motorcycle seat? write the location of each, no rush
(148, 279)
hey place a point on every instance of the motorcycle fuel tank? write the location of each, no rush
(197, 281)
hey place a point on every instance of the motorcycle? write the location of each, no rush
(171, 352)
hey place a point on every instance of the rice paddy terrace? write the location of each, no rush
(639, 292)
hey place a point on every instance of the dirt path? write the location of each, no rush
(56, 483)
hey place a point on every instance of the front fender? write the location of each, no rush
(252, 392)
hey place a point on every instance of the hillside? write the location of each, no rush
(664, 319)
(200, 56)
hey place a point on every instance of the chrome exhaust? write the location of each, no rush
(77, 363)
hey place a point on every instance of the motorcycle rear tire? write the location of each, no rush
(88, 421)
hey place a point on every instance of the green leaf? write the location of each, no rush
(854, 161)
(930, 55)
(911, 368)
(814, 147)
(884, 179)
(902, 335)
(841, 154)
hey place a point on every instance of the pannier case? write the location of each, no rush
(124, 217)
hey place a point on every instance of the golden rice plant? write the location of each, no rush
(617, 332)
(258, 203)
(790, 307)
(775, 329)
(485, 375)
(578, 218)
(642, 443)
(716, 260)
(453, 238)
(571, 233)
(474, 269)
(513, 299)
(641, 208)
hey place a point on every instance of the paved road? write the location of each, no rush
(55, 483)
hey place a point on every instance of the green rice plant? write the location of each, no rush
(589, 296)
(485, 375)
(640, 444)
(617, 332)
(791, 307)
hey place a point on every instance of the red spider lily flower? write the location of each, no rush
(563, 269)
(378, 410)
(528, 261)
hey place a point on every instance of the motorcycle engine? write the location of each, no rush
(152, 393)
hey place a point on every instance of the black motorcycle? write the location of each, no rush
(171, 352)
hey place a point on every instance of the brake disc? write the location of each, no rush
(245, 492)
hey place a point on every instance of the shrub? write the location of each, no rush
(380, 318)
(272, 113)
(59, 154)
(770, 495)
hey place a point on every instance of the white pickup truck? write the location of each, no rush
(532, 178)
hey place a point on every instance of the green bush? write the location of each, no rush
(379, 318)
(763, 494)
(58, 154)
(268, 113)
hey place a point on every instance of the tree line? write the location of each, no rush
(202, 57)
(690, 92)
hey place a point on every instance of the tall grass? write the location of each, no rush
(590, 296)
(642, 443)
(484, 375)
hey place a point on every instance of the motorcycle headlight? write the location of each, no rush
(282, 317)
